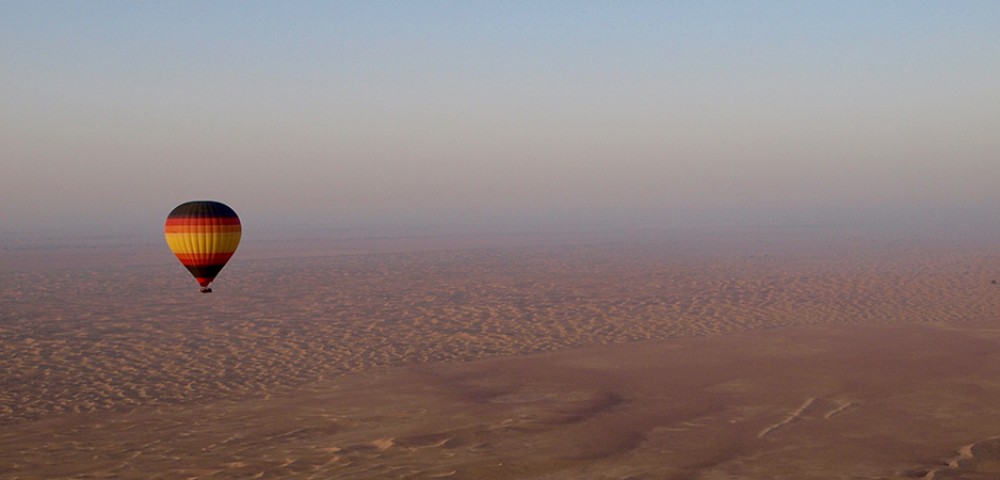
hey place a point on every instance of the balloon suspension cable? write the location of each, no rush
(206, 290)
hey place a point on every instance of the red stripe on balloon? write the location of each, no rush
(171, 221)
(202, 229)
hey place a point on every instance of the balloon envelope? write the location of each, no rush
(203, 235)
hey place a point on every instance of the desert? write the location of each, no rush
(733, 353)
(598, 240)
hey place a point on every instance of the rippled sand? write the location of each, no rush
(740, 355)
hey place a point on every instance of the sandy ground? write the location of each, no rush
(742, 356)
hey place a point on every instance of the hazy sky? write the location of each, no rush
(319, 114)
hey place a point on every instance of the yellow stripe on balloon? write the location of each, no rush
(203, 242)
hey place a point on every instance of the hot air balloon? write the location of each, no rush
(203, 235)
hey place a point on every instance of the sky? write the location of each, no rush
(342, 114)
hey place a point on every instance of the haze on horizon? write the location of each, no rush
(325, 114)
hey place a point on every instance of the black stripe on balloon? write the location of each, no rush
(202, 209)
(206, 271)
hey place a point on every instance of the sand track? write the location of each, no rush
(793, 416)
(973, 461)
(844, 406)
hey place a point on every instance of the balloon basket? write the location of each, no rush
(206, 290)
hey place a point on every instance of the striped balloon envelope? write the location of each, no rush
(203, 235)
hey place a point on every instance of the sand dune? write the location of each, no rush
(649, 359)
(83, 340)
(639, 413)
